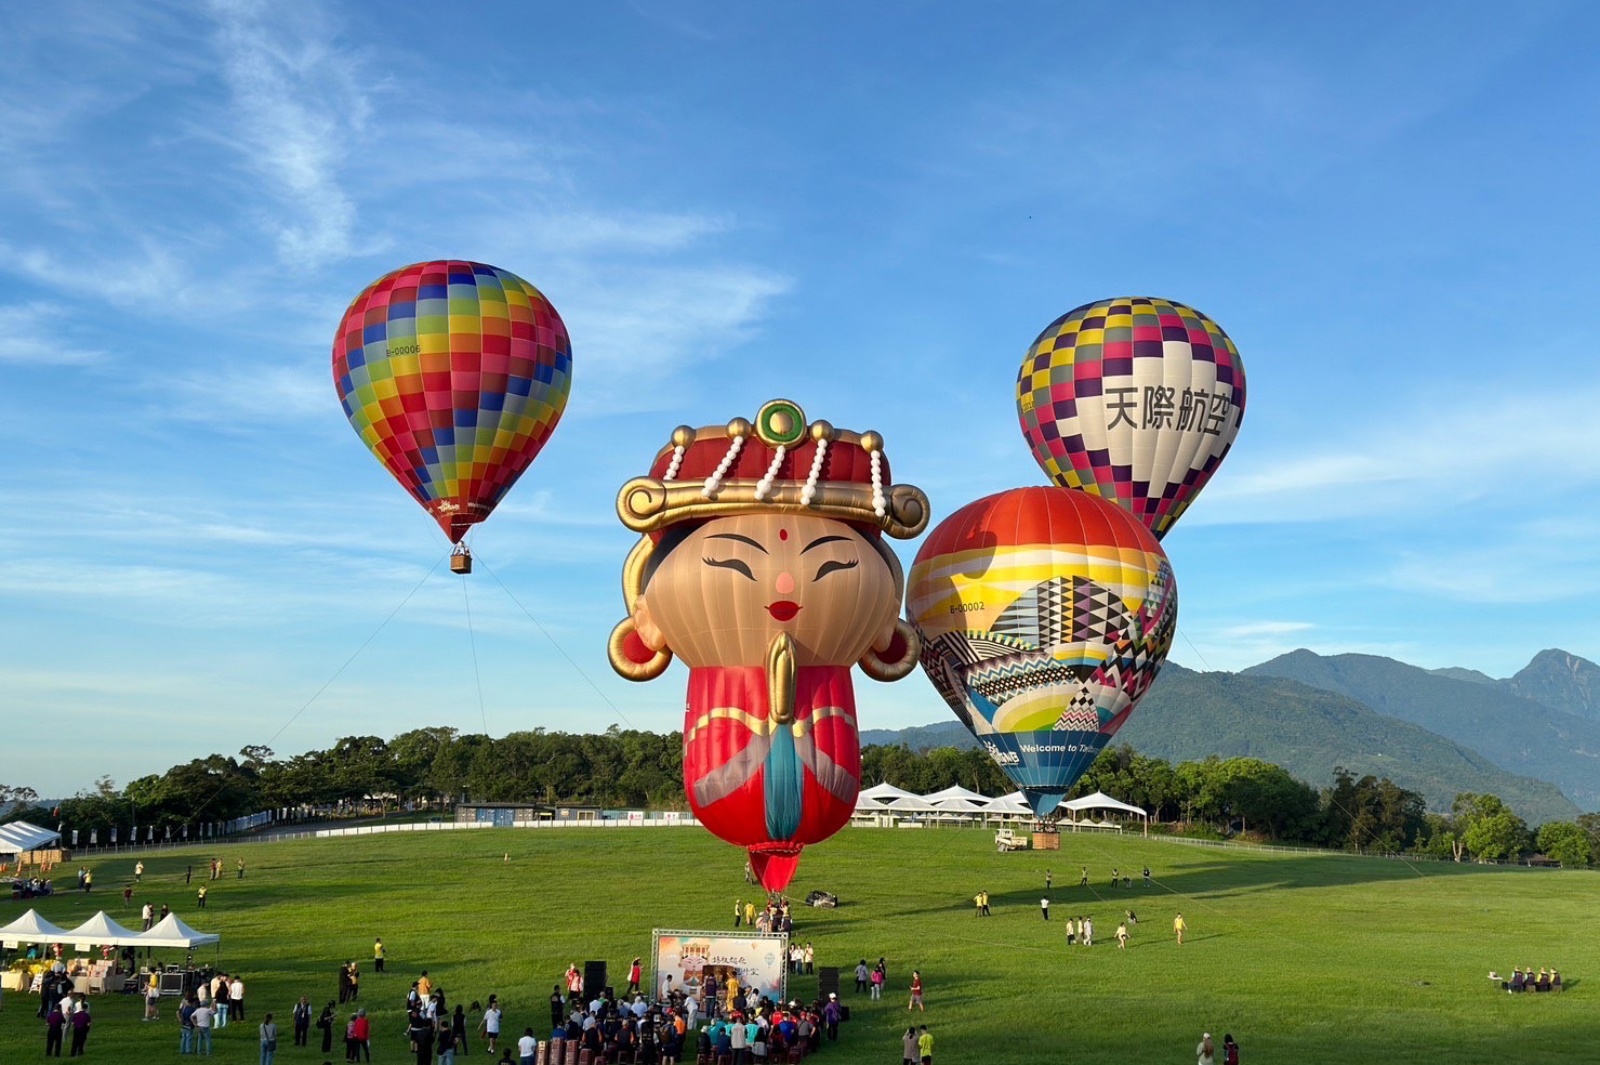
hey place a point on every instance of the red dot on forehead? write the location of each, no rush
(783, 534)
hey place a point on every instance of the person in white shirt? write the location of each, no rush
(490, 1025)
(526, 1046)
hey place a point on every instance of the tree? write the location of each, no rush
(1566, 842)
(1489, 830)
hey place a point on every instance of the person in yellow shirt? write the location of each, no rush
(750, 913)
(424, 986)
(1179, 928)
(378, 954)
(925, 1045)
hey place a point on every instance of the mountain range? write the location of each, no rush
(1533, 739)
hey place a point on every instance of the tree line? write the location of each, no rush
(629, 768)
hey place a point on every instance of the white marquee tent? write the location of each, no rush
(956, 791)
(1100, 801)
(31, 928)
(170, 931)
(882, 793)
(101, 930)
(20, 836)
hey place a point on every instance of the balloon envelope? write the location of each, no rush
(1045, 614)
(1136, 400)
(454, 375)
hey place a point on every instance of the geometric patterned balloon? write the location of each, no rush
(1135, 400)
(454, 375)
(1045, 615)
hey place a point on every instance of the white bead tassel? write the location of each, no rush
(677, 461)
(715, 480)
(764, 485)
(880, 503)
(810, 491)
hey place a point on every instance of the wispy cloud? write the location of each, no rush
(1408, 466)
(299, 108)
(39, 334)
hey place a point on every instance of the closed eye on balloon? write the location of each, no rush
(730, 563)
(831, 567)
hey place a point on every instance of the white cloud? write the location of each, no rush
(1406, 467)
(298, 111)
(39, 334)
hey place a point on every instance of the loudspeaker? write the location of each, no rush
(827, 980)
(594, 979)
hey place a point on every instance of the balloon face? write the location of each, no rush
(724, 591)
(1135, 400)
(454, 375)
(1045, 614)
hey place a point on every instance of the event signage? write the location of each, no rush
(689, 958)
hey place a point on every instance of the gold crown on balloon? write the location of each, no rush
(779, 462)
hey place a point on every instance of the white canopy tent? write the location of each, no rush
(912, 804)
(31, 928)
(1008, 806)
(882, 793)
(1101, 801)
(170, 931)
(956, 791)
(101, 930)
(20, 836)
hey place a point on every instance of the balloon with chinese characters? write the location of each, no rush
(1044, 615)
(454, 375)
(762, 565)
(1136, 400)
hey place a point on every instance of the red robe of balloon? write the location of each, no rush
(762, 566)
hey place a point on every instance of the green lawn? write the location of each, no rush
(1304, 958)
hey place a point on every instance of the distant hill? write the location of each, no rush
(1305, 729)
(1516, 733)
(1562, 681)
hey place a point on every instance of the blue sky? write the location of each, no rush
(868, 208)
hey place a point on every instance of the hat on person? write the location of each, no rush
(833, 994)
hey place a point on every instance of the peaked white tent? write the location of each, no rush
(103, 931)
(912, 804)
(20, 836)
(956, 791)
(883, 793)
(31, 928)
(1009, 804)
(1101, 801)
(170, 931)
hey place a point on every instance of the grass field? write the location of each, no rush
(1304, 958)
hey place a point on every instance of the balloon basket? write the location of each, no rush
(461, 561)
(1047, 841)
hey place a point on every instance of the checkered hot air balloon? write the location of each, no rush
(454, 375)
(1045, 614)
(1135, 400)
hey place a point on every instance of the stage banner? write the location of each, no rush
(689, 958)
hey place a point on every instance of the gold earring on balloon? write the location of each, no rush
(900, 659)
(632, 657)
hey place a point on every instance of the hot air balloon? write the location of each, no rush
(1044, 616)
(1136, 400)
(762, 565)
(454, 375)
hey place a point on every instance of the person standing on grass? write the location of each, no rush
(925, 1045)
(490, 1025)
(1206, 1052)
(1147, 881)
(916, 993)
(1083, 881)
(738, 913)
(325, 1021)
(269, 1040)
(152, 997)
(80, 1030)
(877, 983)
(352, 1045)
(1179, 927)
(458, 1029)
(203, 1016)
(378, 953)
(558, 1007)
(1049, 877)
(1230, 1050)
(1044, 907)
(363, 1035)
(55, 1023)
(635, 974)
(186, 1025)
(1122, 936)
(302, 1022)
(201, 896)
(445, 1042)
(1088, 931)
(908, 1047)
(236, 999)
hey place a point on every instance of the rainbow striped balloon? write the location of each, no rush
(454, 375)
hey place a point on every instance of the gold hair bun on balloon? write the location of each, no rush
(779, 461)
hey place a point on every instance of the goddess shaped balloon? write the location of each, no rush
(762, 565)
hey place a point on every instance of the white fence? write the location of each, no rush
(450, 826)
